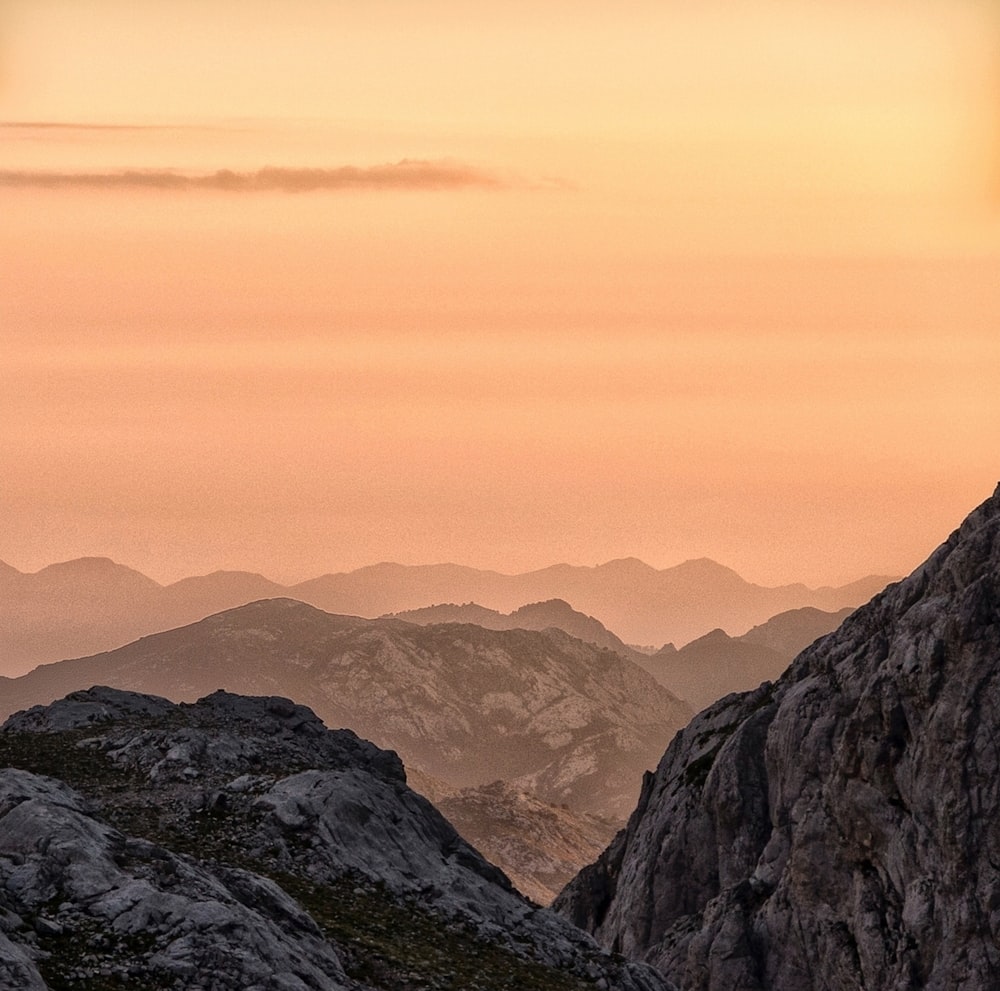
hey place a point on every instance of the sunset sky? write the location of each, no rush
(301, 286)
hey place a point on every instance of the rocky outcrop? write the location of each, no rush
(838, 829)
(238, 843)
(83, 901)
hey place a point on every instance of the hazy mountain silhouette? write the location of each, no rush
(837, 829)
(575, 723)
(92, 604)
(791, 632)
(716, 664)
(207, 594)
(72, 608)
(553, 614)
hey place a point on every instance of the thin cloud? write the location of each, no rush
(50, 125)
(405, 174)
(73, 125)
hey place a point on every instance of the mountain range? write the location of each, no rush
(552, 614)
(541, 817)
(92, 604)
(699, 673)
(570, 722)
(832, 830)
(837, 829)
(716, 664)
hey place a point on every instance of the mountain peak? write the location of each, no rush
(94, 569)
(713, 638)
(626, 565)
(87, 565)
(705, 567)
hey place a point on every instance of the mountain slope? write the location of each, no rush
(714, 665)
(790, 632)
(237, 843)
(461, 703)
(838, 829)
(68, 609)
(538, 844)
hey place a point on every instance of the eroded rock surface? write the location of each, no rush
(841, 828)
(237, 842)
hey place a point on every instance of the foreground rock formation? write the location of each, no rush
(839, 829)
(238, 843)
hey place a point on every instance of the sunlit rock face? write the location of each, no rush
(841, 828)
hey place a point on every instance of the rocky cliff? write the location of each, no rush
(839, 829)
(238, 843)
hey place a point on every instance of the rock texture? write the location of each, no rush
(540, 846)
(238, 843)
(461, 703)
(841, 828)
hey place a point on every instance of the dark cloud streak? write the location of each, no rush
(405, 174)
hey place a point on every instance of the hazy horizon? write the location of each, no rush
(279, 579)
(302, 288)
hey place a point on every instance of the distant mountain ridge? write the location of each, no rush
(80, 607)
(716, 664)
(553, 614)
(574, 722)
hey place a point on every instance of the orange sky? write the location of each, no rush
(523, 283)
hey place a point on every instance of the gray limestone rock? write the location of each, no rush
(839, 829)
(131, 910)
(240, 827)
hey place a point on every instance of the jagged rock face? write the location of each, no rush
(238, 843)
(142, 914)
(840, 829)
